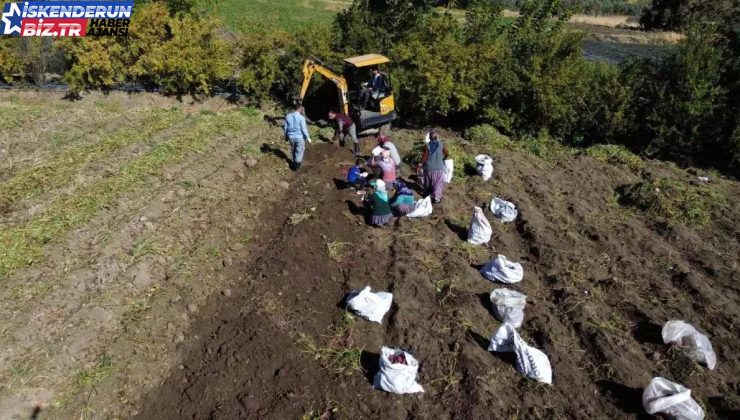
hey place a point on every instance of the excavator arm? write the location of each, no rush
(313, 65)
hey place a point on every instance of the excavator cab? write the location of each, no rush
(369, 110)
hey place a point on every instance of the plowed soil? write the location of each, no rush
(601, 280)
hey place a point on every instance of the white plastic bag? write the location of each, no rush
(508, 306)
(503, 270)
(530, 361)
(484, 166)
(376, 151)
(398, 378)
(449, 169)
(503, 210)
(422, 208)
(370, 305)
(426, 138)
(480, 230)
(664, 396)
(687, 338)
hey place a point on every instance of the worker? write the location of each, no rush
(433, 165)
(296, 133)
(345, 127)
(386, 165)
(375, 87)
(376, 205)
(385, 142)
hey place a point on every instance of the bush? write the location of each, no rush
(684, 108)
(259, 64)
(10, 63)
(179, 54)
(436, 74)
(670, 201)
(616, 155)
(488, 136)
(190, 58)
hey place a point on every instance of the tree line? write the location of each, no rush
(524, 78)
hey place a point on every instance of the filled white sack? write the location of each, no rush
(503, 270)
(684, 336)
(508, 306)
(480, 230)
(422, 208)
(664, 396)
(370, 305)
(449, 169)
(397, 378)
(504, 211)
(530, 361)
(484, 166)
(426, 138)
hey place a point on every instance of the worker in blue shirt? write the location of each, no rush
(375, 87)
(296, 132)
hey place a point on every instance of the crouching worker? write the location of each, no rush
(378, 210)
(403, 202)
(387, 166)
(345, 128)
(357, 176)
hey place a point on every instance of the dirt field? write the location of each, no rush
(209, 285)
(601, 282)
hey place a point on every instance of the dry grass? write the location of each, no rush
(449, 378)
(337, 250)
(340, 355)
(296, 218)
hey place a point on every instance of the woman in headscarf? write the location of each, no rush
(433, 163)
(387, 166)
(403, 202)
(379, 212)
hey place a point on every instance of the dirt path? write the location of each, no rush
(600, 283)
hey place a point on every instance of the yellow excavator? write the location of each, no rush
(370, 110)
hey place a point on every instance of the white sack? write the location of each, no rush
(508, 306)
(370, 305)
(503, 210)
(480, 230)
(427, 139)
(687, 338)
(530, 361)
(377, 150)
(449, 168)
(664, 396)
(484, 166)
(397, 378)
(422, 208)
(503, 270)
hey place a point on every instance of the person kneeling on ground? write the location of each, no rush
(378, 210)
(387, 166)
(357, 176)
(433, 165)
(345, 127)
(403, 202)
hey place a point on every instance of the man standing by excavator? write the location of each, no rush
(345, 127)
